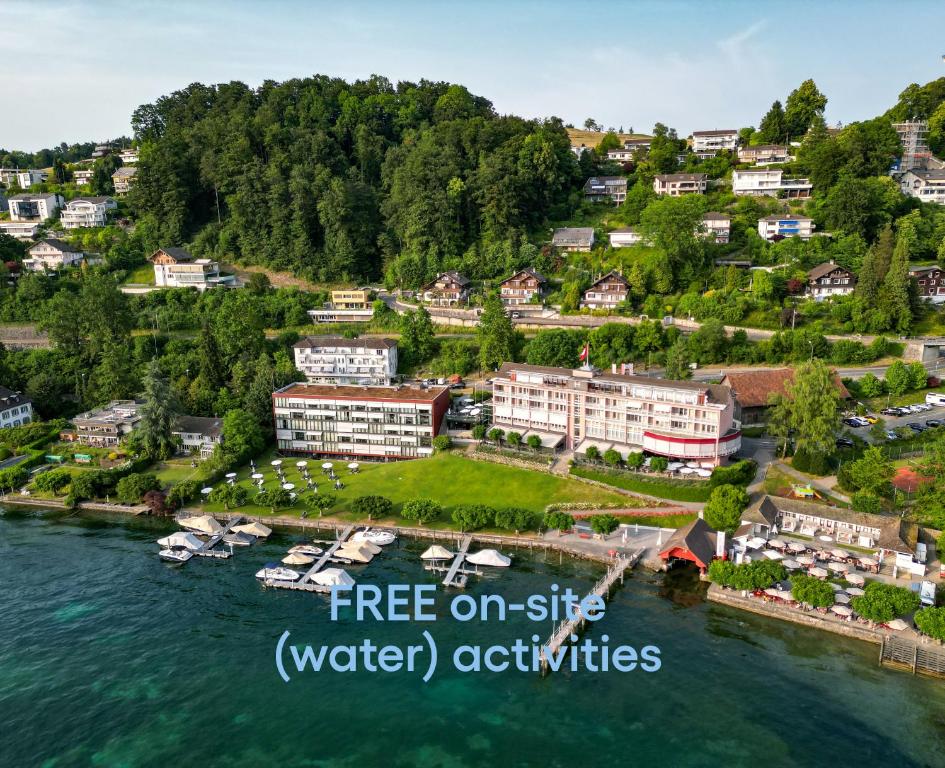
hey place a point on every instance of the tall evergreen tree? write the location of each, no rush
(211, 362)
(897, 286)
(496, 335)
(875, 266)
(773, 127)
(158, 414)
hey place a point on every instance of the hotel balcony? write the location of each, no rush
(678, 447)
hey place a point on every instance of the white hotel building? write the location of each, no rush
(581, 408)
(335, 360)
(378, 423)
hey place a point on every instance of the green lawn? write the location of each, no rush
(143, 275)
(176, 470)
(676, 490)
(449, 479)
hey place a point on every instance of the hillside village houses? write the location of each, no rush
(336, 360)
(622, 155)
(607, 292)
(573, 239)
(449, 289)
(714, 141)
(24, 179)
(676, 184)
(20, 230)
(602, 188)
(717, 226)
(930, 282)
(925, 185)
(15, 408)
(380, 423)
(830, 279)
(83, 176)
(781, 225)
(107, 426)
(123, 178)
(624, 236)
(35, 208)
(51, 254)
(348, 305)
(584, 407)
(177, 268)
(764, 154)
(86, 212)
(128, 156)
(769, 181)
(523, 287)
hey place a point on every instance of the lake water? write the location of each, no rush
(109, 657)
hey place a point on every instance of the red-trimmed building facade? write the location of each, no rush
(378, 423)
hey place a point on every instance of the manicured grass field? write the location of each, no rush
(449, 479)
(177, 470)
(143, 275)
(652, 486)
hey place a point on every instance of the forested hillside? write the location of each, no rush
(340, 181)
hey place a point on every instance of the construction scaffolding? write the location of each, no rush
(913, 135)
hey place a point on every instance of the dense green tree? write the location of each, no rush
(872, 471)
(497, 337)
(555, 347)
(803, 105)
(773, 128)
(723, 511)
(158, 413)
(422, 510)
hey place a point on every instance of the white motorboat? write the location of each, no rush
(175, 555)
(277, 573)
(307, 549)
(239, 539)
(380, 538)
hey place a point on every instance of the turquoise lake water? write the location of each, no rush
(109, 657)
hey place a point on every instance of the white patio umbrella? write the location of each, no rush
(818, 573)
(842, 610)
(687, 471)
(772, 554)
(301, 464)
(825, 537)
(796, 546)
(774, 592)
(692, 465)
(229, 475)
(353, 465)
(206, 491)
(276, 462)
(777, 544)
(257, 476)
(288, 486)
(838, 567)
(703, 473)
(869, 562)
(805, 560)
(856, 579)
(855, 591)
(841, 598)
(756, 542)
(791, 565)
(835, 587)
(840, 554)
(897, 624)
(327, 465)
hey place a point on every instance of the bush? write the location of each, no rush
(372, 506)
(472, 517)
(442, 443)
(755, 575)
(811, 590)
(319, 502)
(516, 519)
(5, 453)
(812, 463)
(130, 489)
(931, 621)
(884, 602)
(233, 496)
(421, 510)
(558, 521)
(479, 431)
(635, 460)
(514, 439)
(496, 435)
(52, 481)
(663, 488)
(182, 493)
(592, 453)
(725, 506)
(604, 524)
(612, 458)
(659, 463)
(739, 473)
(534, 442)
(864, 501)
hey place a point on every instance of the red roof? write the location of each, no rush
(753, 388)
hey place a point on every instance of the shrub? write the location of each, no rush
(372, 506)
(812, 463)
(604, 524)
(755, 575)
(421, 510)
(514, 439)
(659, 463)
(884, 602)
(234, 496)
(182, 493)
(479, 431)
(131, 488)
(612, 458)
(319, 502)
(635, 460)
(52, 481)
(931, 621)
(442, 443)
(864, 501)
(560, 521)
(496, 435)
(5, 452)
(472, 517)
(725, 506)
(739, 473)
(592, 453)
(534, 442)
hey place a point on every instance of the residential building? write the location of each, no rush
(624, 236)
(925, 185)
(695, 543)
(381, 423)
(764, 154)
(782, 225)
(884, 534)
(607, 292)
(584, 407)
(573, 239)
(38, 208)
(714, 141)
(830, 279)
(447, 290)
(198, 435)
(21, 230)
(177, 268)
(86, 212)
(522, 287)
(105, 427)
(622, 155)
(930, 282)
(335, 360)
(346, 306)
(123, 178)
(717, 226)
(83, 176)
(128, 156)
(754, 389)
(24, 179)
(769, 181)
(101, 150)
(15, 408)
(913, 135)
(602, 188)
(676, 184)
(52, 254)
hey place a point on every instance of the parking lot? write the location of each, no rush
(891, 422)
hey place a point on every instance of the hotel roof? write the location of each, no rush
(341, 342)
(331, 392)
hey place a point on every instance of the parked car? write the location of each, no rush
(914, 425)
(869, 419)
(891, 435)
(922, 406)
(891, 411)
(854, 421)
(844, 442)
(933, 423)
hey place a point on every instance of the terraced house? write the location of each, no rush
(604, 188)
(676, 184)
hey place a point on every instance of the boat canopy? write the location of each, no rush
(436, 552)
(489, 557)
(253, 529)
(203, 524)
(331, 577)
(183, 539)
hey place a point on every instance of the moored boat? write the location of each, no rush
(277, 573)
(175, 555)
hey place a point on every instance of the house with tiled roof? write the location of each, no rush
(580, 239)
(447, 290)
(830, 279)
(522, 287)
(52, 254)
(676, 184)
(754, 389)
(607, 292)
(695, 543)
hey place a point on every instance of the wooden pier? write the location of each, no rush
(305, 583)
(453, 576)
(207, 550)
(907, 655)
(564, 630)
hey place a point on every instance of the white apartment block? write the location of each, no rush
(714, 141)
(129, 156)
(51, 254)
(764, 154)
(780, 226)
(624, 237)
(769, 181)
(681, 420)
(86, 212)
(24, 179)
(378, 423)
(38, 208)
(15, 409)
(336, 360)
(717, 226)
(927, 186)
(621, 155)
(21, 230)
(177, 268)
(676, 184)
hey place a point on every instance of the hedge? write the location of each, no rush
(675, 490)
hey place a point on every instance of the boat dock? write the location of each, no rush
(905, 654)
(207, 550)
(305, 583)
(454, 577)
(564, 630)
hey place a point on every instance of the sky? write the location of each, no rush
(75, 70)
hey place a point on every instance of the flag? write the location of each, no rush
(585, 353)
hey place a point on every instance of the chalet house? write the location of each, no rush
(177, 268)
(704, 142)
(34, 208)
(447, 290)
(930, 282)
(830, 280)
(198, 434)
(764, 154)
(52, 254)
(522, 287)
(925, 185)
(603, 188)
(782, 225)
(574, 239)
(86, 212)
(695, 543)
(717, 226)
(754, 390)
(123, 178)
(607, 292)
(624, 236)
(676, 184)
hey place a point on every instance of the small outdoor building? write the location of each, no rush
(696, 543)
